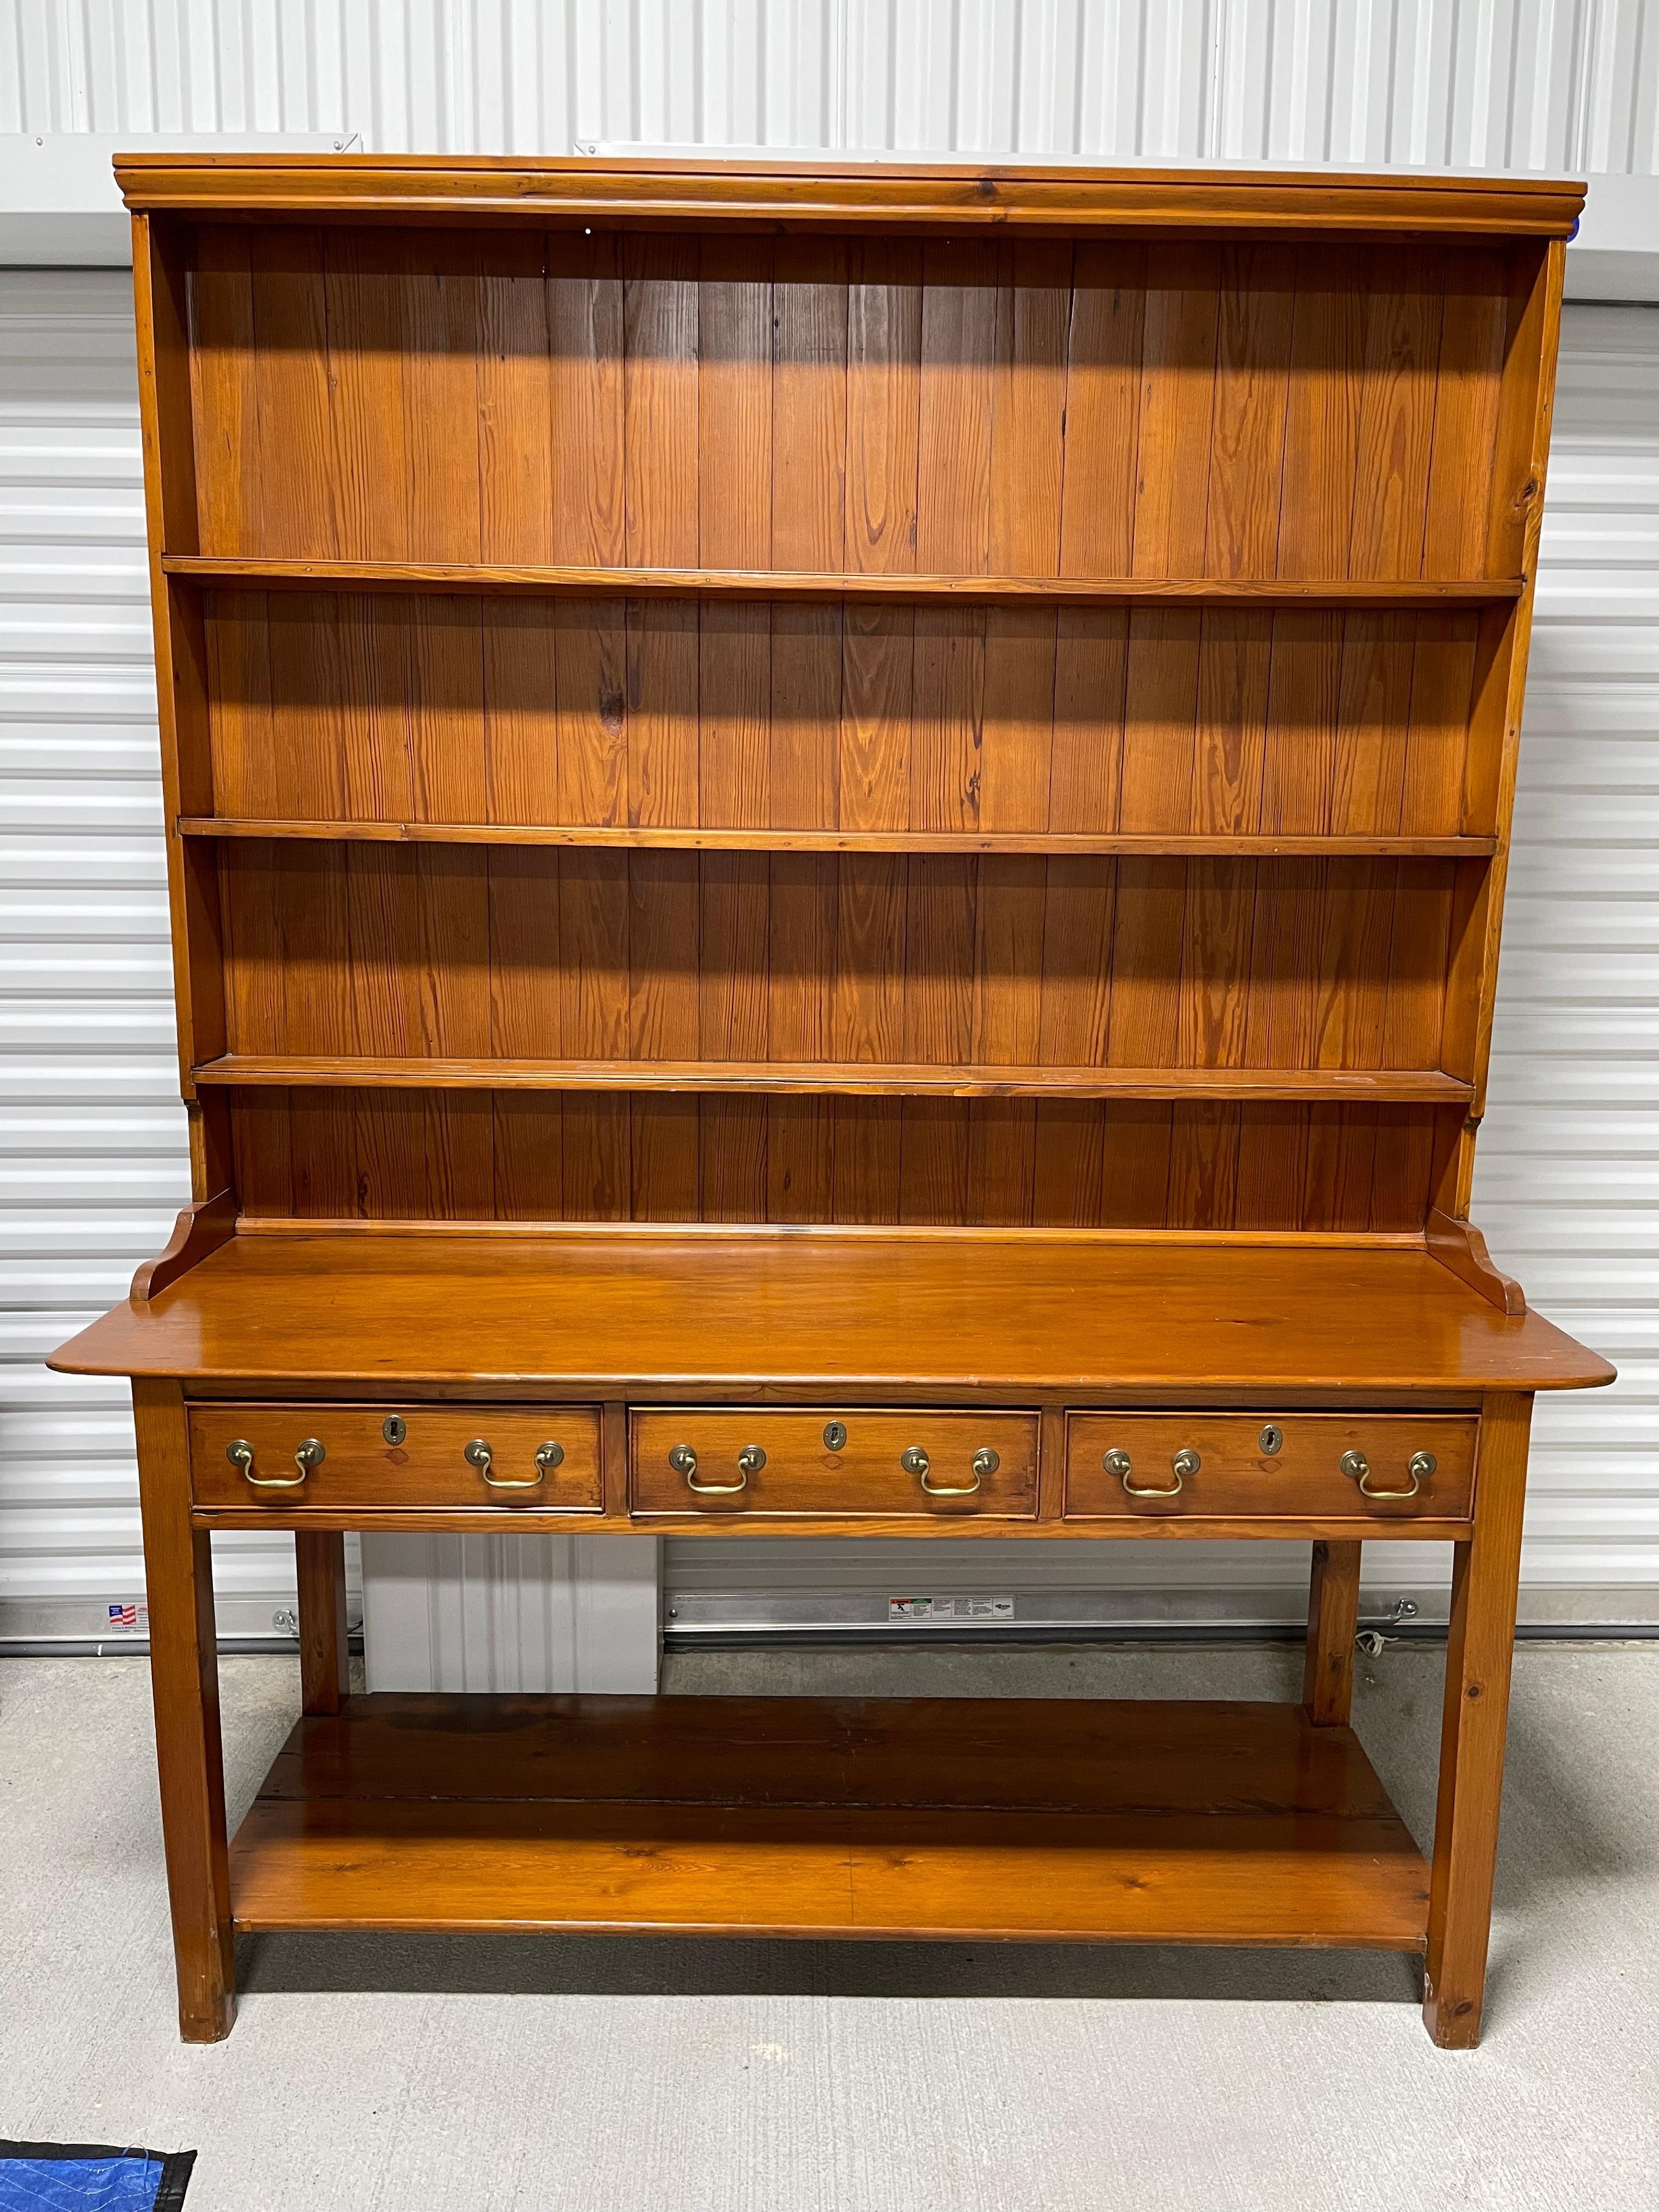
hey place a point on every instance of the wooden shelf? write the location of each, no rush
(797, 584)
(905, 1079)
(1121, 844)
(1084, 1820)
(628, 1311)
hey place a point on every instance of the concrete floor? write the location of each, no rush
(596, 2076)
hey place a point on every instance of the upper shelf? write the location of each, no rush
(1123, 844)
(784, 195)
(849, 1078)
(797, 584)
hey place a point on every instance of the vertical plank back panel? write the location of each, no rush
(876, 403)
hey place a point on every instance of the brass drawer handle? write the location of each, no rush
(1358, 1467)
(310, 1455)
(1120, 1464)
(478, 1454)
(684, 1460)
(915, 1460)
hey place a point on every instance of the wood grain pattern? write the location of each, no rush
(770, 754)
(781, 195)
(1198, 360)
(427, 1470)
(786, 935)
(324, 1654)
(1479, 1644)
(863, 1478)
(1091, 1821)
(1049, 1312)
(1332, 1617)
(1101, 1164)
(1234, 1476)
(184, 1677)
(1144, 845)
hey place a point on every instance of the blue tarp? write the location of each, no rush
(88, 2178)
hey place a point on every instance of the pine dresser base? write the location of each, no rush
(1069, 1821)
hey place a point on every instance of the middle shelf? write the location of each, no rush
(1411, 1086)
(567, 581)
(1129, 845)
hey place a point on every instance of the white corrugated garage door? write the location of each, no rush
(1567, 1187)
(93, 1157)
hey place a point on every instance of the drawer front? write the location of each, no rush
(830, 1462)
(403, 1457)
(1250, 1464)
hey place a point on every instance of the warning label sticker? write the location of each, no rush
(950, 1609)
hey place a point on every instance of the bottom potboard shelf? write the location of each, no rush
(1065, 1820)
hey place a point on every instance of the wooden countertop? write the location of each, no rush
(756, 1310)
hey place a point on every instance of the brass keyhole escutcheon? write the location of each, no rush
(1271, 1441)
(394, 1428)
(835, 1436)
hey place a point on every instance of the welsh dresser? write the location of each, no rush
(836, 840)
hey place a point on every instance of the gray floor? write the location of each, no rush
(593, 2076)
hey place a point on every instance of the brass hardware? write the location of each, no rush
(1186, 1462)
(915, 1462)
(1420, 1465)
(311, 1454)
(751, 1458)
(1271, 1441)
(550, 1456)
(478, 1453)
(1120, 1464)
(394, 1428)
(835, 1436)
(684, 1460)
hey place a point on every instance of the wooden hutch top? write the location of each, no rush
(895, 774)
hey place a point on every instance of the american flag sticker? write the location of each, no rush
(129, 1616)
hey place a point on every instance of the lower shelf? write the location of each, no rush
(1065, 1820)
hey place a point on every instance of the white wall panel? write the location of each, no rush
(93, 1156)
(1501, 83)
(519, 1612)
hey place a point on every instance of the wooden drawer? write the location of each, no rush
(1239, 1473)
(405, 1457)
(829, 1462)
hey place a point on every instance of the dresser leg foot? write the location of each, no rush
(320, 1561)
(1332, 1617)
(184, 1667)
(1480, 1645)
